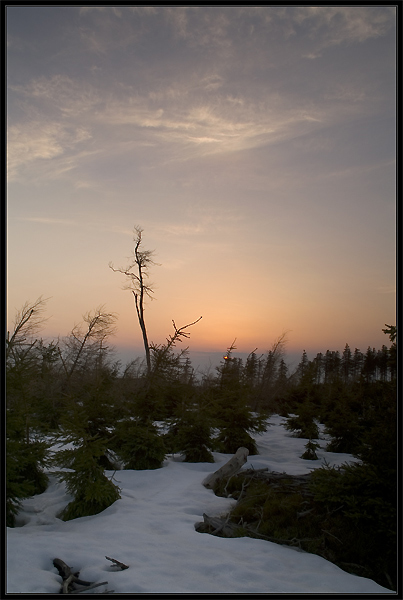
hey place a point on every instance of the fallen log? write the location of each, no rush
(230, 468)
(216, 526)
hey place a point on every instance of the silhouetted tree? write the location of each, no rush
(382, 359)
(302, 366)
(318, 362)
(369, 365)
(391, 330)
(137, 274)
(347, 363)
(358, 360)
(332, 364)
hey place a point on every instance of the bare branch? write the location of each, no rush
(100, 326)
(229, 350)
(277, 348)
(28, 322)
(179, 333)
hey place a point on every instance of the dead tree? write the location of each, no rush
(137, 273)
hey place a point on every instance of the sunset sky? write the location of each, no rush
(254, 145)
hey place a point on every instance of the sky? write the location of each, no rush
(159, 509)
(255, 146)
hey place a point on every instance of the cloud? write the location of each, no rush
(222, 32)
(68, 114)
(179, 230)
(174, 264)
(61, 94)
(48, 220)
(30, 142)
(217, 126)
(201, 108)
(103, 9)
(333, 25)
(386, 289)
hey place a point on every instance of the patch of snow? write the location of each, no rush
(152, 529)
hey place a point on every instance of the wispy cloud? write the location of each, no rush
(386, 289)
(333, 25)
(179, 230)
(222, 124)
(198, 111)
(65, 96)
(43, 141)
(48, 221)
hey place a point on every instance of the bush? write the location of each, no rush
(345, 427)
(235, 422)
(139, 444)
(304, 423)
(190, 435)
(93, 492)
(24, 474)
(343, 514)
(310, 452)
(25, 461)
(362, 513)
(230, 439)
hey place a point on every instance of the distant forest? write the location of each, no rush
(104, 416)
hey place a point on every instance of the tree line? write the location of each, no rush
(73, 387)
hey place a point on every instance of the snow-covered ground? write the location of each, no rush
(152, 529)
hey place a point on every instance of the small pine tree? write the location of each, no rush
(139, 444)
(232, 414)
(25, 461)
(235, 422)
(93, 492)
(190, 435)
(304, 424)
(24, 474)
(310, 452)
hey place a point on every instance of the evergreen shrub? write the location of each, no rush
(85, 480)
(304, 424)
(190, 435)
(235, 421)
(139, 444)
(24, 474)
(310, 452)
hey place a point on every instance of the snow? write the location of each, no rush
(152, 529)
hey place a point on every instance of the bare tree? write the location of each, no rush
(137, 274)
(87, 339)
(22, 361)
(28, 322)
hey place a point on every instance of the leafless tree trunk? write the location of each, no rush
(137, 273)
